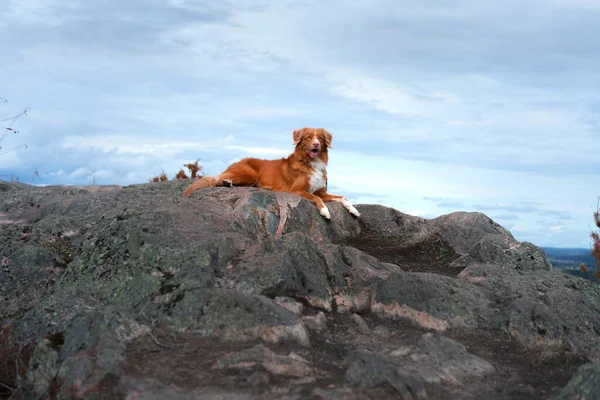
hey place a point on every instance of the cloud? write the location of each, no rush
(434, 108)
(260, 151)
(139, 145)
(447, 203)
(33, 12)
(505, 217)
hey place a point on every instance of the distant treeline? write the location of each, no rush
(589, 274)
(570, 260)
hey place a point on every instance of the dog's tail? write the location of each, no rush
(204, 182)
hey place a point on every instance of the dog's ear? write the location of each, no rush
(297, 136)
(328, 138)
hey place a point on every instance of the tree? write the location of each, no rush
(6, 127)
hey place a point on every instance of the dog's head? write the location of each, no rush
(314, 141)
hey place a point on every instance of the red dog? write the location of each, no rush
(304, 172)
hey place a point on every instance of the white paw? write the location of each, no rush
(353, 211)
(325, 212)
(227, 182)
(346, 203)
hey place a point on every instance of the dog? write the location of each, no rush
(304, 172)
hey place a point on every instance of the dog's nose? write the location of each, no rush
(316, 144)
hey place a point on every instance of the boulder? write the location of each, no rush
(585, 384)
(243, 293)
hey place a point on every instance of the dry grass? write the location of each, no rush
(195, 171)
(596, 237)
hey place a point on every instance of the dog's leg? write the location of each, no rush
(323, 210)
(339, 199)
(238, 174)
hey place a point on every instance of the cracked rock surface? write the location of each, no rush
(138, 293)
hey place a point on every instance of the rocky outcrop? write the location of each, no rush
(584, 385)
(137, 292)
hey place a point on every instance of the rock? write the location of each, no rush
(289, 265)
(316, 323)
(401, 351)
(291, 365)
(135, 292)
(464, 230)
(236, 317)
(258, 379)
(368, 370)
(536, 306)
(86, 357)
(385, 221)
(131, 388)
(12, 186)
(585, 384)
(432, 301)
(504, 251)
(290, 304)
(338, 394)
(353, 277)
(360, 324)
(438, 359)
(26, 275)
(43, 367)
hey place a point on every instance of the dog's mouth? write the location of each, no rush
(314, 153)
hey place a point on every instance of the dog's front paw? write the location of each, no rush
(325, 212)
(227, 183)
(346, 203)
(353, 211)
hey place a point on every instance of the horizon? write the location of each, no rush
(462, 107)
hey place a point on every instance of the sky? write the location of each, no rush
(434, 106)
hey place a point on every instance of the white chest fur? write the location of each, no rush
(317, 178)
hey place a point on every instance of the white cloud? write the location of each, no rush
(60, 172)
(260, 151)
(33, 11)
(79, 172)
(478, 103)
(388, 96)
(10, 160)
(139, 145)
